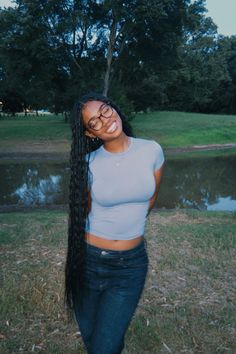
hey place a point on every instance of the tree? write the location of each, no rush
(144, 54)
(202, 69)
(149, 46)
(224, 96)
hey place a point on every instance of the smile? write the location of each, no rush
(112, 128)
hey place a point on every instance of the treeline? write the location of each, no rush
(145, 54)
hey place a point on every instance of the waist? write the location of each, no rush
(95, 254)
(112, 244)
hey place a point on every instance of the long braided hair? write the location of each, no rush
(79, 187)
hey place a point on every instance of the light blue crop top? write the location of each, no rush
(121, 186)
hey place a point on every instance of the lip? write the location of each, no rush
(114, 121)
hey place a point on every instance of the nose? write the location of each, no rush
(105, 121)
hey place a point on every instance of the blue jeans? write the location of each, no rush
(114, 284)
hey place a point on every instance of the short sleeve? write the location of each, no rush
(158, 156)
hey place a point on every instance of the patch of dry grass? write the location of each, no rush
(187, 305)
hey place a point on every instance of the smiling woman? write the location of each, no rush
(114, 183)
(96, 123)
(104, 123)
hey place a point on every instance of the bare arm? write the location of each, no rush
(158, 175)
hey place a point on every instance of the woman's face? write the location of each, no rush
(101, 120)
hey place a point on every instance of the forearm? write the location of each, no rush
(152, 201)
(151, 204)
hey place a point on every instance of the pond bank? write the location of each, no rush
(59, 150)
(200, 180)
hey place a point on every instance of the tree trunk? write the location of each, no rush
(112, 39)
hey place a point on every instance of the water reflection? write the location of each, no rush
(198, 183)
(223, 204)
(34, 184)
(44, 191)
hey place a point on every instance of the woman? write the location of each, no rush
(114, 184)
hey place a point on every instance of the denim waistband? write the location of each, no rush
(91, 249)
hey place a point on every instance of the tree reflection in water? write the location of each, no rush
(34, 184)
(38, 191)
(202, 183)
(199, 183)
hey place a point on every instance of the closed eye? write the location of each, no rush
(92, 123)
(105, 109)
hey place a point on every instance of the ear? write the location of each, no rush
(90, 135)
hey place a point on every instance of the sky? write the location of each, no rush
(223, 13)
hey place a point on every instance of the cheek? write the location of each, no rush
(118, 130)
(119, 120)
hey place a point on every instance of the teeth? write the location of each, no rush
(112, 128)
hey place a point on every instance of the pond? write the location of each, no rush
(200, 183)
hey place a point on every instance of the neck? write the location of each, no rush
(119, 144)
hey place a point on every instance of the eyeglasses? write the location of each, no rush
(96, 123)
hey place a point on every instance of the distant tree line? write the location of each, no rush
(145, 54)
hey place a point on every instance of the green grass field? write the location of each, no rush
(171, 129)
(178, 129)
(188, 304)
(48, 127)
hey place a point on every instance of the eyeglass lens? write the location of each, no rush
(96, 123)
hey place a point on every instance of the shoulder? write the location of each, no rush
(151, 150)
(151, 144)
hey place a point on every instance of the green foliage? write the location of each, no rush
(119, 96)
(148, 54)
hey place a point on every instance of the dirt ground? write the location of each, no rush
(59, 149)
(35, 149)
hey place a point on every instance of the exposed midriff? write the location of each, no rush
(112, 244)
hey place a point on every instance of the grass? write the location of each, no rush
(178, 129)
(187, 306)
(45, 127)
(171, 129)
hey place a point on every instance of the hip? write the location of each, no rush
(114, 267)
(136, 257)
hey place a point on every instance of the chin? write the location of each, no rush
(111, 137)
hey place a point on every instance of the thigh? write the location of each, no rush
(85, 313)
(115, 312)
(85, 309)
